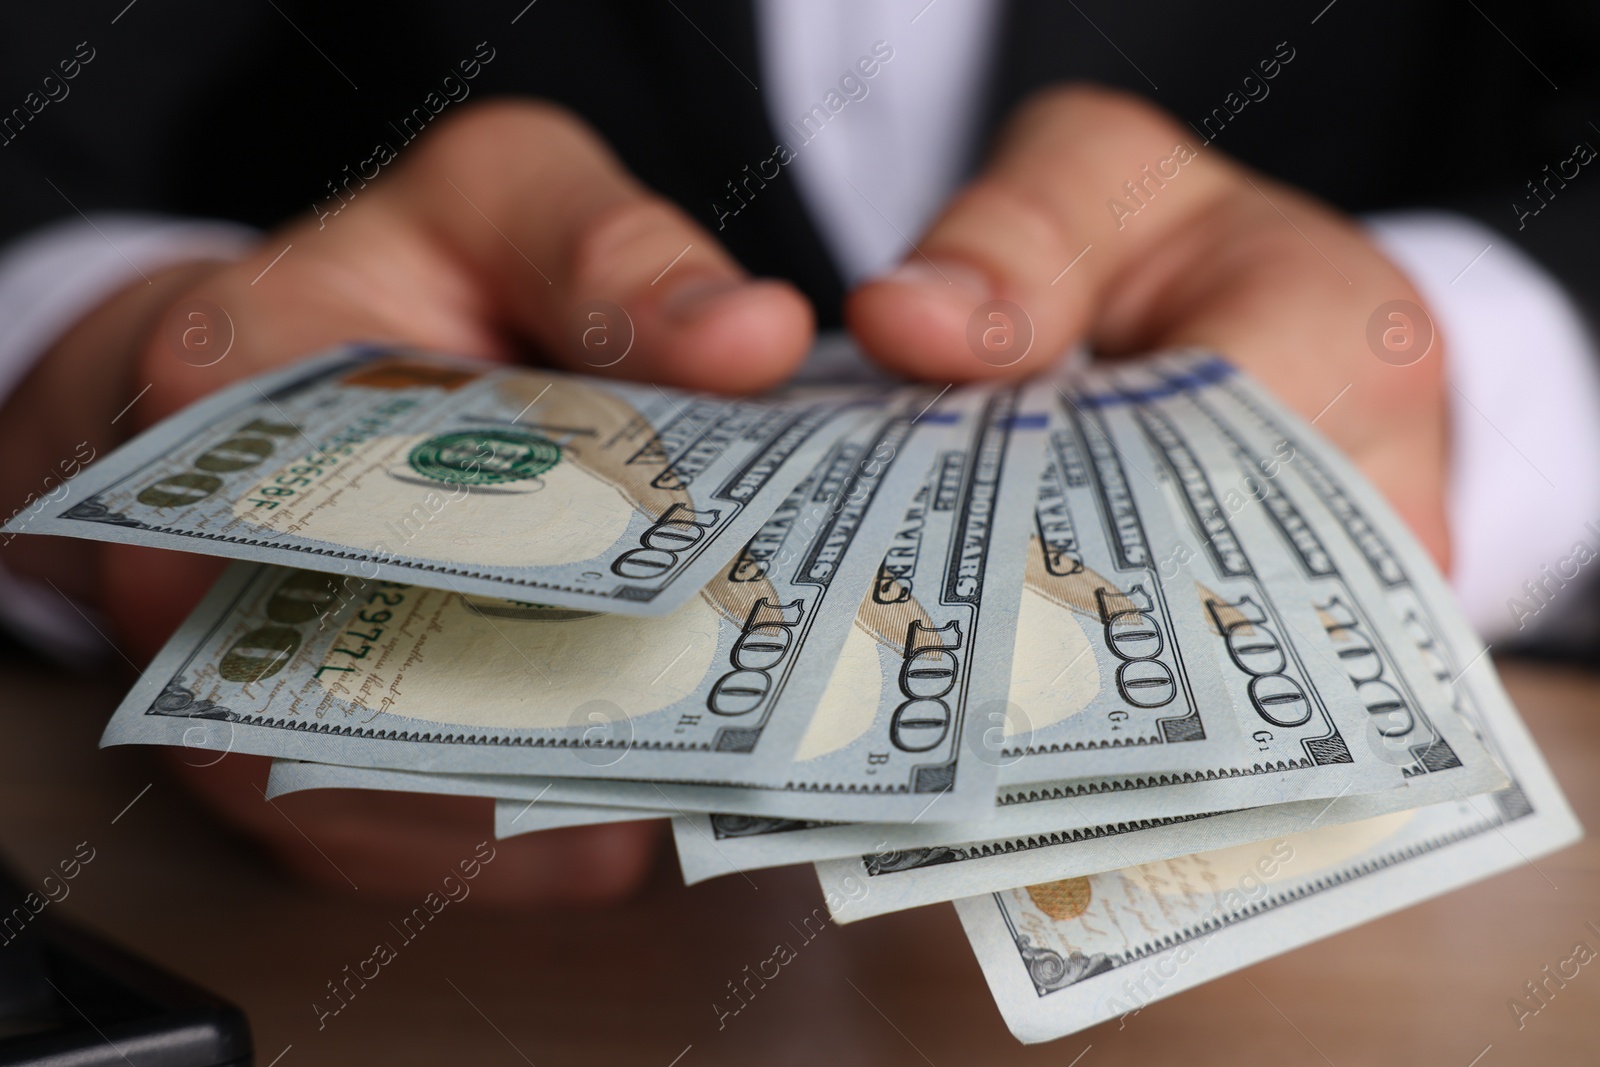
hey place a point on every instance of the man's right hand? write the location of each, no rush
(492, 237)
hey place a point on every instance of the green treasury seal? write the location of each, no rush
(484, 457)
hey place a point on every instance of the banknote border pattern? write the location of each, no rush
(909, 859)
(802, 425)
(1072, 971)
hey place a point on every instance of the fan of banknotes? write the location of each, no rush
(1130, 664)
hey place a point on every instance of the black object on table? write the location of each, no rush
(70, 999)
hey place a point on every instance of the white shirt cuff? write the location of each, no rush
(55, 276)
(48, 281)
(1523, 494)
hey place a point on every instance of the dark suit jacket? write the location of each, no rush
(254, 109)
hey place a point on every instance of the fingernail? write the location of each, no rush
(693, 297)
(957, 277)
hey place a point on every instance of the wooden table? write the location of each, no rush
(636, 984)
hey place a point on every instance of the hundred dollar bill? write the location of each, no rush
(1333, 626)
(295, 776)
(1339, 566)
(514, 817)
(911, 877)
(542, 810)
(1419, 729)
(1064, 954)
(905, 718)
(1280, 660)
(905, 729)
(1113, 675)
(1416, 592)
(714, 844)
(1321, 721)
(578, 493)
(895, 733)
(301, 665)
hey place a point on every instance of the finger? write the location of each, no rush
(1041, 230)
(606, 276)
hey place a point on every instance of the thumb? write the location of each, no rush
(574, 254)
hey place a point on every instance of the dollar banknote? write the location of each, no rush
(1411, 724)
(1365, 528)
(891, 727)
(577, 493)
(716, 844)
(1132, 665)
(750, 711)
(296, 776)
(1394, 674)
(912, 692)
(1089, 810)
(1064, 954)
(1113, 675)
(299, 664)
(901, 726)
(1276, 654)
(897, 879)
(1354, 654)
(540, 809)
(514, 817)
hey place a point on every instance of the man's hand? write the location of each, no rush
(1208, 254)
(495, 234)
(495, 237)
(492, 238)
(489, 240)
